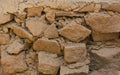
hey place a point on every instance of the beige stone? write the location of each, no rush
(51, 32)
(47, 45)
(12, 64)
(5, 18)
(103, 23)
(4, 38)
(48, 63)
(97, 36)
(35, 26)
(105, 72)
(19, 17)
(21, 32)
(107, 57)
(50, 16)
(111, 6)
(15, 47)
(75, 32)
(75, 52)
(34, 11)
(64, 70)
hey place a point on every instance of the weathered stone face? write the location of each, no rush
(4, 38)
(59, 37)
(75, 32)
(75, 52)
(12, 64)
(5, 18)
(48, 63)
(36, 26)
(47, 45)
(103, 23)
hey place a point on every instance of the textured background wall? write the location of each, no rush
(59, 37)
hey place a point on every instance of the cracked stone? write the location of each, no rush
(75, 52)
(48, 63)
(75, 32)
(51, 32)
(35, 26)
(47, 45)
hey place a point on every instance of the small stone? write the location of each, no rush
(12, 64)
(19, 17)
(75, 52)
(4, 38)
(103, 23)
(15, 47)
(36, 26)
(21, 32)
(64, 70)
(34, 11)
(50, 16)
(75, 32)
(4, 18)
(51, 32)
(104, 36)
(47, 45)
(48, 63)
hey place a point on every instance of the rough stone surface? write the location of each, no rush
(51, 32)
(13, 64)
(103, 23)
(48, 63)
(19, 31)
(104, 72)
(75, 32)
(15, 47)
(75, 52)
(34, 11)
(97, 36)
(5, 18)
(76, 71)
(111, 6)
(47, 45)
(35, 26)
(4, 38)
(107, 58)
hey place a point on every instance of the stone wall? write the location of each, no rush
(59, 37)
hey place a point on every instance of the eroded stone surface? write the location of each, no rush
(76, 71)
(75, 52)
(48, 63)
(19, 31)
(4, 38)
(34, 11)
(105, 72)
(36, 26)
(47, 45)
(5, 18)
(51, 32)
(12, 64)
(75, 32)
(97, 36)
(103, 23)
(15, 47)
